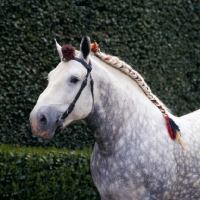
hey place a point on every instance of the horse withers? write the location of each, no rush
(133, 156)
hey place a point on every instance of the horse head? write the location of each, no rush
(61, 102)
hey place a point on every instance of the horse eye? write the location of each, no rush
(74, 80)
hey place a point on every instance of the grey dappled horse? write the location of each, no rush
(133, 156)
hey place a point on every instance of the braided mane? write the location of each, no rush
(173, 129)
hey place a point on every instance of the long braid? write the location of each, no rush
(173, 129)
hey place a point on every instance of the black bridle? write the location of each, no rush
(84, 83)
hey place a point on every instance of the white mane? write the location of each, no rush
(116, 63)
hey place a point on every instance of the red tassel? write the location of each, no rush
(171, 131)
(94, 47)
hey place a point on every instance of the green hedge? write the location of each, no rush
(160, 39)
(35, 173)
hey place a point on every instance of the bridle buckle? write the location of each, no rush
(60, 121)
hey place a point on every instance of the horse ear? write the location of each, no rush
(85, 47)
(59, 49)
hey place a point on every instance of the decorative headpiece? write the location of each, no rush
(68, 52)
(172, 127)
(94, 47)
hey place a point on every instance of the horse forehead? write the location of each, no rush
(68, 68)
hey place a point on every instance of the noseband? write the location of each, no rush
(84, 83)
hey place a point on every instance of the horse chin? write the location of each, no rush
(51, 132)
(48, 135)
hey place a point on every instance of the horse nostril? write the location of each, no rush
(43, 120)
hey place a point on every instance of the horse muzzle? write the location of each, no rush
(44, 121)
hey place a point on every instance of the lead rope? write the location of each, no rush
(172, 127)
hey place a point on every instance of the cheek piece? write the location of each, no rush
(88, 66)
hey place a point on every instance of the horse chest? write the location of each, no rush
(113, 176)
(126, 176)
(127, 169)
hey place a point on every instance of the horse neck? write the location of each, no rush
(119, 106)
